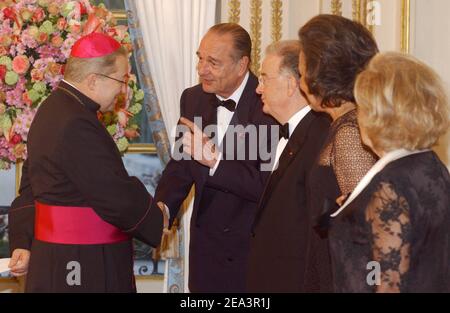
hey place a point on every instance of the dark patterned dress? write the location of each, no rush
(342, 163)
(401, 220)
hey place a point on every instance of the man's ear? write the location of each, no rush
(91, 81)
(293, 85)
(244, 64)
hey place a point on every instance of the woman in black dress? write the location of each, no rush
(393, 232)
(334, 50)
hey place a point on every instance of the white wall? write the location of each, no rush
(430, 42)
(297, 12)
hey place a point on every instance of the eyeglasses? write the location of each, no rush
(117, 80)
(263, 79)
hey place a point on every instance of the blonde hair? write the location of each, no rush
(402, 103)
(77, 69)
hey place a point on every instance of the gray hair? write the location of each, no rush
(289, 51)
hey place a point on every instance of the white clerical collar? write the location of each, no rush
(376, 168)
(297, 118)
(236, 96)
(70, 84)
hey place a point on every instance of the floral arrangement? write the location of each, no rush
(36, 37)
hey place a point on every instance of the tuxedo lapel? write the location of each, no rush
(293, 147)
(208, 111)
(241, 117)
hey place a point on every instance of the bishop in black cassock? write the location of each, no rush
(78, 208)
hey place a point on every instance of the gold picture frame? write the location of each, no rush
(405, 26)
(136, 148)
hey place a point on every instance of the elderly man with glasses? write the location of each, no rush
(278, 244)
(78, 209)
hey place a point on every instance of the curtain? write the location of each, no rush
(171, 31)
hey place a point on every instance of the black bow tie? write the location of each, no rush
(229, 104)
(284, 131)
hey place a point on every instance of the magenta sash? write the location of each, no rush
(74, 226)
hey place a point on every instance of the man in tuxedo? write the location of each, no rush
(279, 234)
(227, 183)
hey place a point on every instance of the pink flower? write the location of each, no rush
(28, 39)
(14, 96)
(67, 45)
(23, 122)
(21, 49)
(53, 9)
(75, 28)
(33, 31)
(20, 64)
(131, 133)
(120, 132)
(122, 117)
(26, 99)
(61, 23)
(43, 52)
(37, 75)
(26, 14)
(50, 53)
(39, 15)
(57, 41)
(3, 51)
(42, 38)
(6, 27)
(54, 69)
(5, 41)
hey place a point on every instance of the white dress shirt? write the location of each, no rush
(293, 123)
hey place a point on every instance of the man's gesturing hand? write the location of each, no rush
(199, 146)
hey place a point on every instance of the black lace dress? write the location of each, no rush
(342, 163)
(400, 221)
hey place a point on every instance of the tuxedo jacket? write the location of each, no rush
(280, 231)
(225, 203)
